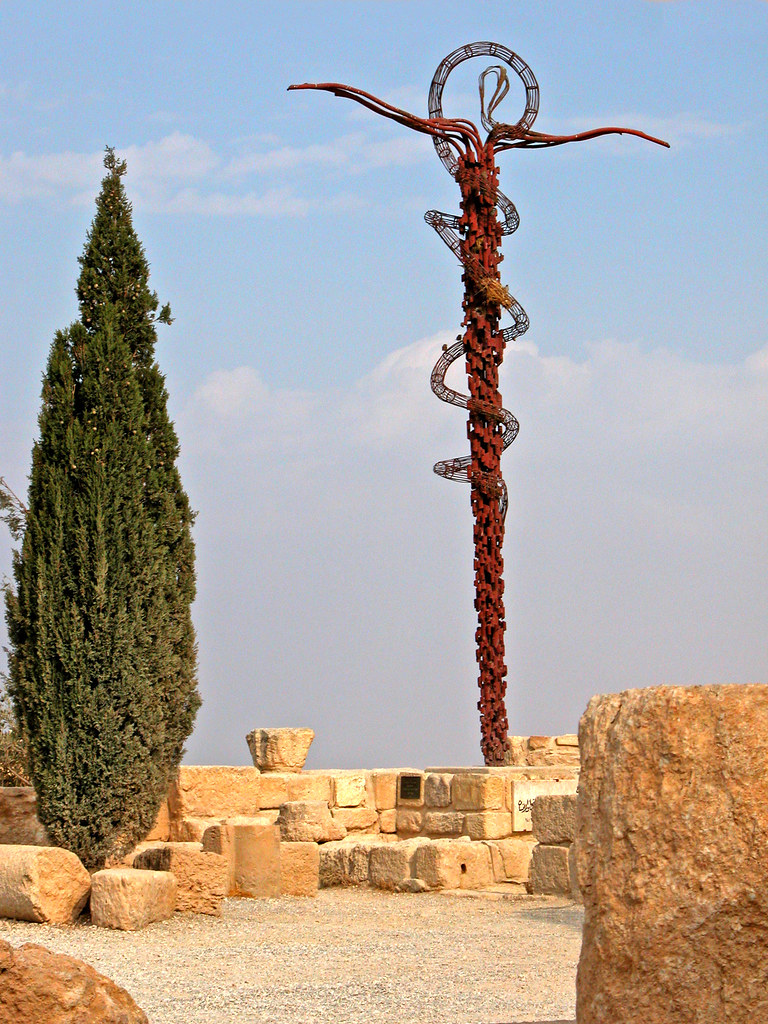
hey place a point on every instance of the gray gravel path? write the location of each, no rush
(351, 956)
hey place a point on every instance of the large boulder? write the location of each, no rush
(279, 750)
(672, 852)
(38, 986)
(42, 883)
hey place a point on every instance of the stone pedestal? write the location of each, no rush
(672, 850)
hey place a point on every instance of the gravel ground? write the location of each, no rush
(350, 956)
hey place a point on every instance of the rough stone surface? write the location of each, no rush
(349, 789)
(213, 791)
(524, 792)
(343, 863)
(357, 819)
(409, 823)
(384, 790)
(255, 854)
(42, 883)
(536, 751)
(161, 830)
(549, 873)
(515, 857)
(18, 817)
(478, 792)
(553, 818)
(40, 987)
(475, 865)
(189, 830)
(673, 856)
(391, 864)
(128, 899)
(439, 864)
(388, 821)
(273, 789)
(437, 790)
(202, 878)
(488, 824)
(279, 750)
(299, 869)
(443, 823)
(308, 821)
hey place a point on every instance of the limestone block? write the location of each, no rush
(567, 740)
(299, 869)
(474, 792)
(19, 825)
(549, 873)
(523, 793)
(357, 819)
(213, 791)
(488, 824)
(409, 823)
(218, 839)
(40, 987)
(255, 852)
(437, 790)
(443, 823)
(384, 790)
(308, 786)
(672, 835)
(128, 899)
(189, 830)
(515, 857)
(279, 750)
(439, 863)
(349, 789)
(573, 873)
(42, 883)
(388, 821)
(343, 863)
(391, 864)
(161, 830)
(553, 818)
(308, 821)
(475, 865)
(273, 789)
(201, 878)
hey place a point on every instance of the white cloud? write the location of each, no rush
(678, 130)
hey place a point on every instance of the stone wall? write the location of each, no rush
(543, 750)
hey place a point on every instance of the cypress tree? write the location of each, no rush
(103, 654)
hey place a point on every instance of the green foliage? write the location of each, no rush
(103, 659)
(13, 750)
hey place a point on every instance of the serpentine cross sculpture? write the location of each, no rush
(475, 239)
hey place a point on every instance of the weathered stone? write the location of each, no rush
(279, 750)
(343, 863)
(573, 873)
(202, 878)
(189, 830)
(439, 864)
(40, 987)
(310, 786)
(357, 819)
(542, 750)
(515, 858)
(523, 793)
(391, 864)
(673, 856)
(388, 821)
(299, 869)
(308, 821)
(488, 824)
(549, 873)
(384, 790)
(437, 790)
(218, 839)
(42, 883)
(349, 789)
(161, 830)
(567, 740)
(478, 792)
(409, 822)
(19, 825)
(213, 791)
(273, 789)
(553, 818)
(255, 851)
(475, 865)
(443, 823)
(128, 899)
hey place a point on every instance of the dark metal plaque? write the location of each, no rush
(410, 787)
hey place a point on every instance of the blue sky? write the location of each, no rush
(286, 230)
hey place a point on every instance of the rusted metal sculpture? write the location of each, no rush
(475, 239)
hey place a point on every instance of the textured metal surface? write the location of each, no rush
(474, 237)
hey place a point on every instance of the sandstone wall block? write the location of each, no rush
(523, 793)
(488, 824)
(515, 858)
(475, 792)
(553, 818)
(439, 864)
(308, 821)
(189, 830)
(299, 869)
(256, 858)
(349, 789)
(357, 819)
(343, 863)
(213, 791)
(202, 879)
(388, 821)
(549, 873)
(19, 825)
(279, 750)
(391, 864)
(310, 786)
(437, 790)
(218, 839)
(40, 987)
(273, 789)
(127, 899)
(42, 883)
(672, 840)
(475, 865)
(161, 830)
(443, 823)
(384, 790)
(409, 823)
